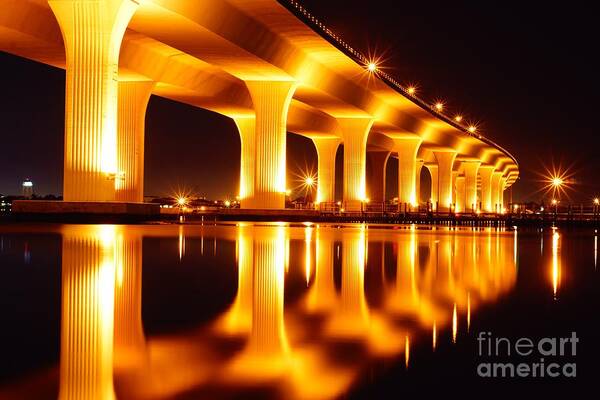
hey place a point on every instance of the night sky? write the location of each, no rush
(527, 74)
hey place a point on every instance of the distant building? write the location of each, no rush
(27, 188)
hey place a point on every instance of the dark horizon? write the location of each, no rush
(527, 74)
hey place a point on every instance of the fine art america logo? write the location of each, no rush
(547, 357)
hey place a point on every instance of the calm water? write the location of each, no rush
(278, 311)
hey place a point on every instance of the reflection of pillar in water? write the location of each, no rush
(353, 303)
(406, 296)
(239, 317)
(88, 288)
(267, 336)
(322, 295)
(129, 338)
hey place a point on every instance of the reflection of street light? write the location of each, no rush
(227, 203)
(596, 201)
(554, 202)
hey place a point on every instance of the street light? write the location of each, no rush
(372, 67)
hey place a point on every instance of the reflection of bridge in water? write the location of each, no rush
(376, 310)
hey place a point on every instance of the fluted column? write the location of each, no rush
(133, 101)
(377, 161)
(87, 320)
(419, 168)
(92, 33)
(246, 127)
(354, 134)
(326, 151)
(485, 172)
(501, 189)
(460, 198)
(496, 191)
(407, 148)
(470, 170)
(271, 101)
(445, 161)
(433, 172)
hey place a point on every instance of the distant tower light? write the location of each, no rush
(27, 188)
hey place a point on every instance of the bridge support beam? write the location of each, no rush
(407, 148)
(445, 161)
(470, 169)
(271, 102)
(377, 161)
(326, 151)
(485, 173)
(133, 101)
(496, 191)
(354, 134)
(460, 198)
(419, 168)
(501, 189)
(92, 33)
(433, 172)
(246, 127)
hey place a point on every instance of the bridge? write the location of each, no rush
(270, 66)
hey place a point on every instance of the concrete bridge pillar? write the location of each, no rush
(246, 127)
(433, 172)
(271, 102)
(377, 161)
(496, 191)
(470, 169)
(419, 168)
(92, 33)
(454, 176)
(326, 151)
(460, 198)
(133, 101)
(501, 189)
(354, 134)
(445, 161)
(407, 148)
(485, 172)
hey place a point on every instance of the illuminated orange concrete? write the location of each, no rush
(470, 169)
(496, 191)
(419, 168)
(271, 101)
(92, 33)
(377, 161)
(485, 174)
(133, 100)
(326, 151)
(445, 160)
(433, 172)
(354, 133)
(407, 148)
(460, 199)
(501, 188)
(211, 55)
(246, 127)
